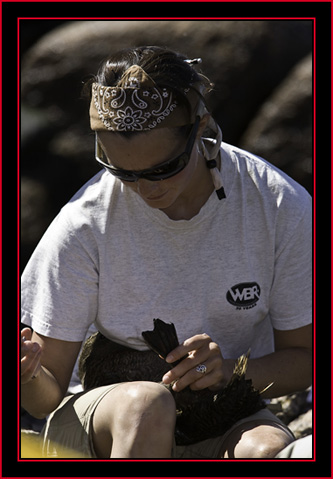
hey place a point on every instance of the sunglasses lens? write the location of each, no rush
(123, 175)
(171, 169)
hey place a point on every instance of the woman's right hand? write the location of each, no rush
(31, 353)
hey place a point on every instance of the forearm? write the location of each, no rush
(41, 395)
(289, 370)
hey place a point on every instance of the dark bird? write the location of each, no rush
(200, 414)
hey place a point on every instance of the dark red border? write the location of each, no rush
(160, 18)
(18, 219)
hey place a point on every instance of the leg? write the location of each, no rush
(256, 439)
(135, 420)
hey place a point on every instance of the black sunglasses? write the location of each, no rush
(165, 170)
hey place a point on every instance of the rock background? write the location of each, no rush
(262, 100)
(295, 410)
(262, 72)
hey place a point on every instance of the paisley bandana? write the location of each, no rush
(138, 104)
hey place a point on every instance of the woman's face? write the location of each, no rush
(146, 150)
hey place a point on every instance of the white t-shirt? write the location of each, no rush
(239, 268)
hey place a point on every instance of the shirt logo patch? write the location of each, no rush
(244, 295)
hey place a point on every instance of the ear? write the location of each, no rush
(203, 124)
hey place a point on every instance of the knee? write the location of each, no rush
(260, 442)
(269, 447)
(135, 420)
(149, 404)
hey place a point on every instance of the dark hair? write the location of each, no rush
(168, 69)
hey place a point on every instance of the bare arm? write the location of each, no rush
(289, 367)
(46, 368)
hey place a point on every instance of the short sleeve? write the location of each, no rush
(59, 287)
(291, 294)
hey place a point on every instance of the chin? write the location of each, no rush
(160, 201)
(158, 204)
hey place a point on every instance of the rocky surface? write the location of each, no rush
(295, 410)
(262, 98)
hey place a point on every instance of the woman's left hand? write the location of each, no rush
(201, 350)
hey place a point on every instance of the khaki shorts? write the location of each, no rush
(69, 427)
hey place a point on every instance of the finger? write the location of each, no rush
(212, 374)
(26, 334)
(30, 366)
(195, 380)
(189, 363)
(29, 347)
(194, 343)
(185, 373)
(208, 351)
(201, 372)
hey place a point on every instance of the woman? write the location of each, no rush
(187, 229)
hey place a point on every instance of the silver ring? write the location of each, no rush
(201, 368)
